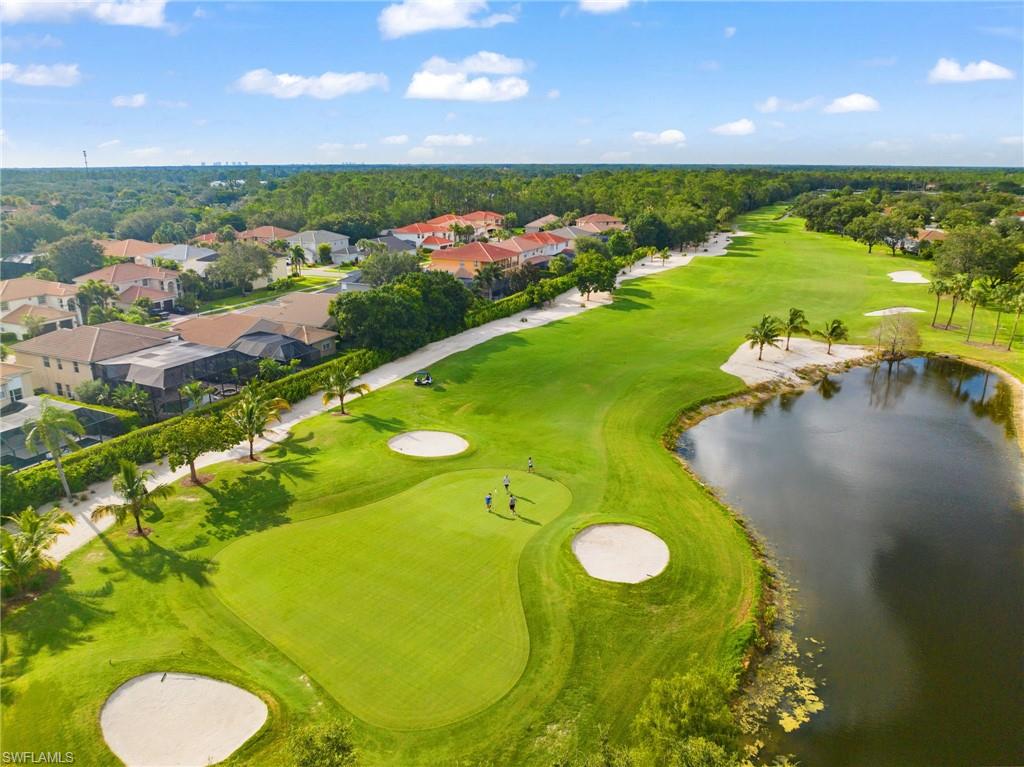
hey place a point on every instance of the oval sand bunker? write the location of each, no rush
(179, 719)
(909, 276)
(620, 553)
(429, 444)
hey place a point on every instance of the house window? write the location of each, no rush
(46, 362)
(40, 300)
(60, 390)
(16, 395)
(60, 365)
(75, 364)
(3, 306)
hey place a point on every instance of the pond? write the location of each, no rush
(893, 501)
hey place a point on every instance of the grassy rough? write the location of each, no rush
(588, 398)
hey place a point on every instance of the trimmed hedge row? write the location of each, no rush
(534, 295)
(40, 484)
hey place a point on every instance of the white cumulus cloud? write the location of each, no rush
(41, 75)
(741, 127)
(398, 139)
(603, 6)
(127, 13)
(950, 71)
(109, 144)
(134, 101)
(329, 85)
(414, 16)
(146, 152)
(670, 137)
(422, 152)
(467, 80)
(855, 102)
(450, 139)
(775, 104)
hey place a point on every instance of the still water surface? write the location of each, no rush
(894, 501)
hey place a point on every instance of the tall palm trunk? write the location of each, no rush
(938, 298)
(1013, 332)
(951, 312)
(999, 317)
(788, 335)
(252, 456)
(970, 325)
(760, 352)
(138, 522)
(59, 464)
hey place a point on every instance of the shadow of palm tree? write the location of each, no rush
(255, 501)
(377, 423)
(152, 562)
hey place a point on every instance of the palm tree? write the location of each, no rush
(487, 276)
(981, 290)
(1000, 299)
(94, 293)
(53, 430)
(663, 255)
(23, 552)
(298, 259)
(33, 325)
(340, 382)
(796, 322)
(130, 484)
(133, 397)
(958, 286)
(940, 288)
(196, 392)
(765, 333)
(253, 412)
(1016, 305)
(834, 332)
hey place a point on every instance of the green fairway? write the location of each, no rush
(406, 610)
(336, 578)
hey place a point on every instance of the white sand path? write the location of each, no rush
(620, 553)
(894, 310)
(179, 720)
(780, 365)
(428, 444)
(909, 276)
(569, 304)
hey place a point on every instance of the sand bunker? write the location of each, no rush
(912, 277)
(429, 444)
(165, 720)
(620, 553)
(894, 310)
(780, 365)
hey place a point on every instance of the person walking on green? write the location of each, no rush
(487, 501)
(529, 464)
(506, 482)
(512, 505)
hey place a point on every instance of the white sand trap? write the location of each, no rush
(909, 276)
(184, 720)
(780, 365)
(429, 444)
(894, 310)
(620, 553)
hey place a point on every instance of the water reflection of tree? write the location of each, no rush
(998, 408)
(888, 383)
(828, 387)
(958, 380)
(788, 399)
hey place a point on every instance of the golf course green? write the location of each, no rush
(336, 578)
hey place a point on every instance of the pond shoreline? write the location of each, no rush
(770, 628)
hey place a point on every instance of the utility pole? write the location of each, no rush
(86, 158)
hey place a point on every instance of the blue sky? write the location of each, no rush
(149, 83)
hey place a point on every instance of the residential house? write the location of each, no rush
(265, 234)
(538, 225)
(162, 370)
(15, 382)
(351, 282)
(188, 257)
(66, 358)
(464, 260)
(17, 265)
(208, 238)
(482, 221)
(260, 337)
(914, 241)
(394, 244)
(98, 424)
(536, 248)
(312, 309)
(52, 304)
(129, 249)
(417, 233)
(311, 240)
(573, 233)
(602, 221)
(134, 281)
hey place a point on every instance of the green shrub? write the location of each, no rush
(129, 418)
(535, 295)
(323, 745)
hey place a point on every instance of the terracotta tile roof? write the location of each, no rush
(483, 215)
(129, 248)
(446, 220)
(206, 238)
(30, 287)
(18, 316)
(478, 252)
(301, 308)
(421, 228)
(268, 233)
(435, 240)
(930, 235)
(545, 238)
(135, 292)
(527, 242)
(550, 218)
(225, 329)
(91, 343)
(126, 273)
(599, 219)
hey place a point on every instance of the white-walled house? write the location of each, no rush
(310, 240)
(417, 233)
(135, 281)
(536, 247)
(52, 305)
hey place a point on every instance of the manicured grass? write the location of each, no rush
(406, 610)
(588, 398)
(264, 294)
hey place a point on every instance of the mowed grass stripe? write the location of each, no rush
(407, 610)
